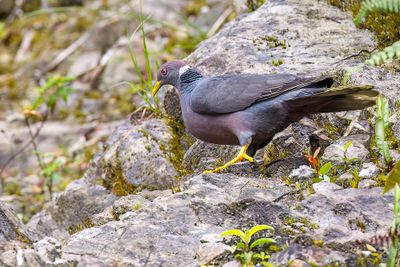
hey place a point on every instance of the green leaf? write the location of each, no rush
(235, 232)
(37, 102)
(380, 139)
(352, 160)
(261, 241)
(254, 230)
(267, 264)
(50, 82)
(240, 246)
(325, 168)
(347, 145)
(52, 100)
(55, 176)
(392, 178)
(65, 91)
(382, 109)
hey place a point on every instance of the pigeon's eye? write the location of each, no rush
(164, 72)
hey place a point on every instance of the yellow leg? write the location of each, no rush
(241, 156)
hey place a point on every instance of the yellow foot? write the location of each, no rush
(241, 156)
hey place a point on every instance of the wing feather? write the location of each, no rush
(231, 93)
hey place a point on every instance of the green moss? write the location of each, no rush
(271, 41)
(21, 237)
(385, 26)
(290, 220)
(175, 150)
(318, 243)
(87, 223)
(194, 7)
(12, 188)
(272, 152)
(136, 207)
(252, 5)
(116, 182)
(277, 62)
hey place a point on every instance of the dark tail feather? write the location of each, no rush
(348, 97)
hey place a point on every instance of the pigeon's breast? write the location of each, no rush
(215, 129)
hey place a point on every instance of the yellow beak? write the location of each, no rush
(156, 88)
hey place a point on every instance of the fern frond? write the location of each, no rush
(385, 6)
(389, 52)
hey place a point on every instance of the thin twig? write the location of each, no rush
(33, 142)
(286, 194)
(356, 55)
(21, 150)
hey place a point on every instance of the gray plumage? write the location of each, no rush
(247, 109)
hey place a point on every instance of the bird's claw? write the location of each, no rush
(238, 158)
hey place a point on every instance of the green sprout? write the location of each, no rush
(381, 127)
(245, 248)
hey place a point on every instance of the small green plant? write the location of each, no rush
(389, 52)
(320, 171)
(356, 179)
(54, 89)
(143, 89)
(346, 160)
(381, 127)
(245, 248)
(382, 6)
(277, 62)
(322, 174)
(370, 6)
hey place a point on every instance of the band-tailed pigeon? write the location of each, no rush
(249, 109)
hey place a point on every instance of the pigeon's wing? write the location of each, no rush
(231, 93)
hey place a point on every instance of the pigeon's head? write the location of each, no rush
(169, 74)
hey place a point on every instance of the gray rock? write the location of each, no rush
(171, 104)
(367, 183)
(307, 252)
(49, 249)
(44, 225)
(369, 171)
(139, 156)
(357, 150)
(202, 209)
(304, 172)
(299, 263)
(11, 228)
(209, 251)
(203, 156)
(9, 258)
(325, 187)
(232, 264)
(344, 180)
(358, 127)
(344, 215)
(73, 209)
(30, 258)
